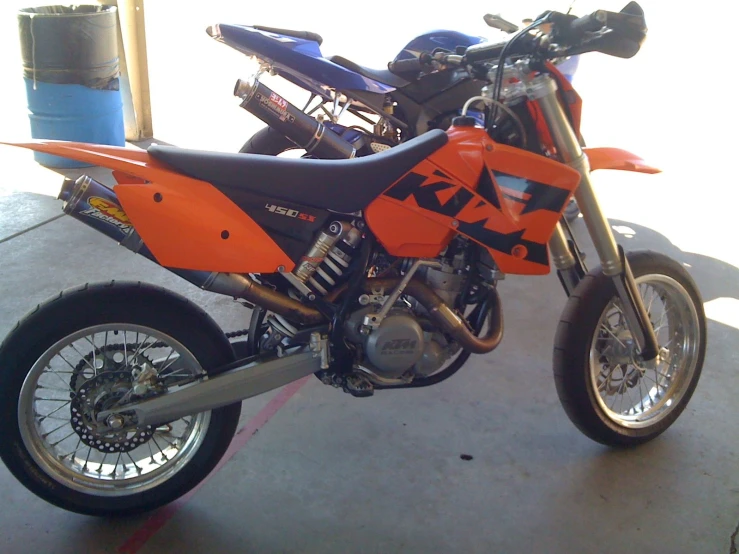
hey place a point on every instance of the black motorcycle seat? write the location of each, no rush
(345, 186)
(384, 76)
(305, 35)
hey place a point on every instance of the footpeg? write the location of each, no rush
(358, 385)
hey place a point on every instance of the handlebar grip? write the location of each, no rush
(483, 52)
(588, 23)
(411, 65)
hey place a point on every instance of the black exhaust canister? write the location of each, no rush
(305, 131)
(94, 204)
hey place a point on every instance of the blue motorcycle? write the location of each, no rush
(422, 89)
(412, 96)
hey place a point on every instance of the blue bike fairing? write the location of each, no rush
(297, 60)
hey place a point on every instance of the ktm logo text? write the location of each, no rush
(475, 215)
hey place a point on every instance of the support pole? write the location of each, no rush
(134, 69)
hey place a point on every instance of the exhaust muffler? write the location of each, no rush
(305, 131)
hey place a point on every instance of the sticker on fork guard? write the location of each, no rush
(107, 211)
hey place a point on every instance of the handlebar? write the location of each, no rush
(589, 23)
(411, 65)
(615, 33)
(626, 31)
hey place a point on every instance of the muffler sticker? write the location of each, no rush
(107, 211)
(277, 105)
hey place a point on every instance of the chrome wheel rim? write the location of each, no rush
(94, 363)
(633, 394)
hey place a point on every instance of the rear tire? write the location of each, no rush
(267, 142)
(593, 361)
(84, 479)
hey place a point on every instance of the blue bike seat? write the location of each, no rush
(381, 75)
(305, 35)
(297, 57)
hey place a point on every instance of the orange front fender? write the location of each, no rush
(615, 158)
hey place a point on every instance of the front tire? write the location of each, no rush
(81, 353)
(609, 395)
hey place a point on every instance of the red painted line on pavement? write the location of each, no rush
(156, 521)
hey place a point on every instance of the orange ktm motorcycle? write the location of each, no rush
(373, 273)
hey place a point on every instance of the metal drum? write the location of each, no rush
(71, 71)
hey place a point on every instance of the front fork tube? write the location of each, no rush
(542, 89)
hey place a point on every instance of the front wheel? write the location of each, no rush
(87, 351)
(609, 394)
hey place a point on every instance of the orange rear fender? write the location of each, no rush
(615, 158)
(128, 160)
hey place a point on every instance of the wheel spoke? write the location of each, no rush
(172, 351)
(57, 409)
(100, 469)
(607, 330)
(628, 393)
(42, 418)
(84, 358)
(663, 375)
(115, 466)
(138, 469)
(642, 394)
(74, 369)
(651, 301)
(148, 347)
(179, 371)
(45, 435)
(656, 383)
(67, 389)
(140, 344)
(148, 443)
(94, 355)
(62, 440)
(76, 448)
(51, 399)
(87, 459)
(164, 456)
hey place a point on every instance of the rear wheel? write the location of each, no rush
(609, 394)
(87, 351)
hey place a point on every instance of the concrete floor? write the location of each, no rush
(330, 473)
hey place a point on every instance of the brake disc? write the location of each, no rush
(98, 394)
